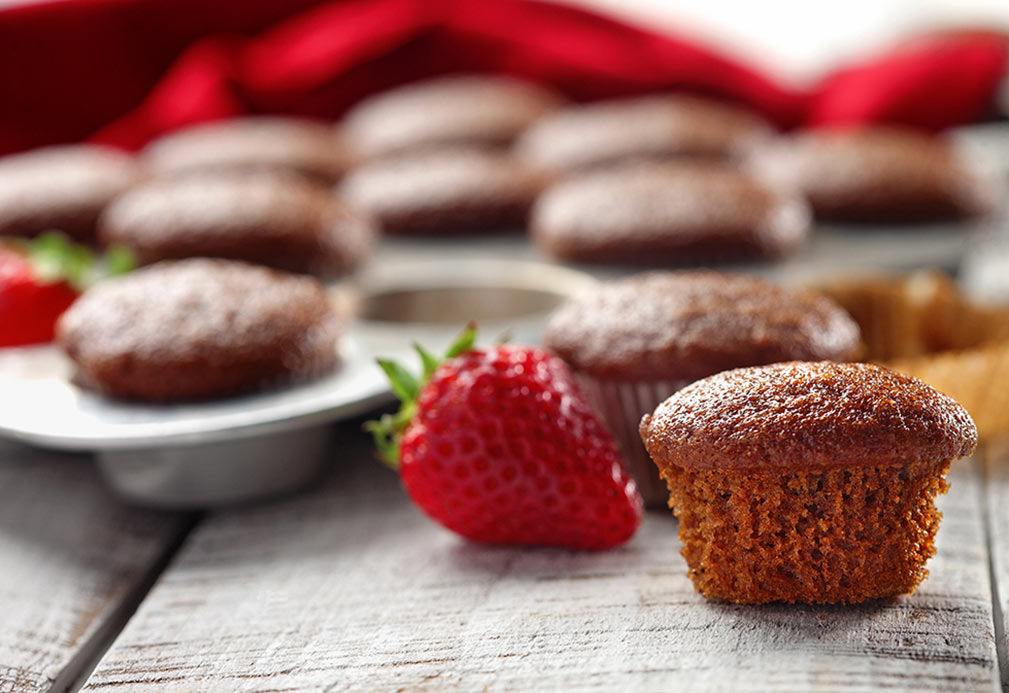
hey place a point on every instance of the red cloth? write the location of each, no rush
(932, 82)
(132, 69)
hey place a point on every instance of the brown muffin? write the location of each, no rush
(883, 175)
(276, 220)
(199, 329)
(807, 482)
(633, 342)
(461, 109)
(63, 188)
(653, 127)
(444, 191)
(262, 143)
(667, 214)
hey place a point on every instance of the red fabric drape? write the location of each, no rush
(123, 71)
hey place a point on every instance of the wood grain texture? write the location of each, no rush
(350, 589)
(996, 473)
(70, 554)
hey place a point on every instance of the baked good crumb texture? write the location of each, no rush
(807, 482)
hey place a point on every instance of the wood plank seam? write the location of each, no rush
(76, 673)
(991, 456)
(71, 554)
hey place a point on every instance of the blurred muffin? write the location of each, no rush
(652, 128)
(883, 175)
(199, 329)
(64, 188)
(281, 221)
(633, 342)
(262, 143)
(444, 191)
(807, 482)
(667, 213)
(461, 109)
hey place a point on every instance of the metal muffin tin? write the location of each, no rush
(405, 299)
(243, 448)
(199, 454)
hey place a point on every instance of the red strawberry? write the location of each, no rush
(498, 445)
(39, 279)
(28, 307)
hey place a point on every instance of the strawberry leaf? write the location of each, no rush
(428, 360)
(388, 430)
(404, 385)
(55, 258)
(386, 442)
(463, 343)
(118, 260)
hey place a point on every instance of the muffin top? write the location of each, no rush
(444, 189)
(460, 109)
(667, 212)
(278, 220)
(681, 326)
(63, 187)
(797, 416)
(310, 148)
(196, 328)
(880, 174)
(653, 127)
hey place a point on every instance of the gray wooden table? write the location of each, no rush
(346, 587)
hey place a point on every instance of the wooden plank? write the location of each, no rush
(71, 558)
(996, 471)
(350, 589)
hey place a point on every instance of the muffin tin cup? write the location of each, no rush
(621, 406)
(189, 455)
(219, 473)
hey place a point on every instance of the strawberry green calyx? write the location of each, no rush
(55, 258)
(388, 430)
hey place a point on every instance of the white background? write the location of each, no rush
(798, 40)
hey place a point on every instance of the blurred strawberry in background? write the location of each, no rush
(41, 278)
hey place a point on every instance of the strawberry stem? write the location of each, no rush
(388, 430)
(55, 258)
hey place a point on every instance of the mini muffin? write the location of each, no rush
(654, 127)
(63, 188)
(281, 221)
(305, 147)
(807, 482)
(667, 214)
(635, 341)
(882, 175)
(199, 329)
(461, 109)
(444, 191)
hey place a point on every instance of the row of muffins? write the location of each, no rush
(102, 196)
(653, 179)
(656, 179)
